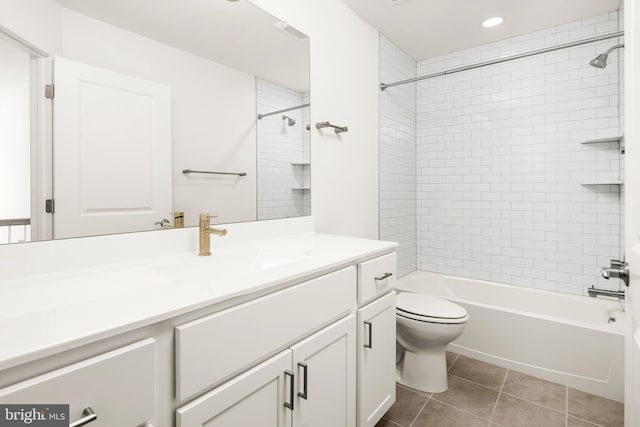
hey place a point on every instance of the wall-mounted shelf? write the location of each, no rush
(300, 163)
(603, 183)
(301, 188)
(600, 140)
(617, 139)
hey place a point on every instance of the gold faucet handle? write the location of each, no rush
(206, 217)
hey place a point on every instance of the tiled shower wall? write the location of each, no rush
(500, 162)
(278, 146)
(397, 155)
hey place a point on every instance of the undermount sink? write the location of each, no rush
(228, 264)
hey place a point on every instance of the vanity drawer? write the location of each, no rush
(375, 277)
(118, 386)
(212, 349)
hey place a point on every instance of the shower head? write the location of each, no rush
(290, 121)
(600, 61)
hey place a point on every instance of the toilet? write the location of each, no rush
(425, 325)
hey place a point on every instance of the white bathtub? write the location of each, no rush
(558, 337)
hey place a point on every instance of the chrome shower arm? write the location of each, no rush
(611, 49)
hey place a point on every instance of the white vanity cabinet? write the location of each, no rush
(376, 339)
(312, 383)
(117, 386)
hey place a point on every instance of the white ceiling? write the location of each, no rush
(428, 28)
(236, 34)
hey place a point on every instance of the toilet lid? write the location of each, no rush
(427, 306)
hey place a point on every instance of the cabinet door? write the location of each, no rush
(325, 367)
(377, 353)
(254, 398)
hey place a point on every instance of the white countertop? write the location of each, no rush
(49, 313)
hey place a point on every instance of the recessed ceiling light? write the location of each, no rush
(492, 22)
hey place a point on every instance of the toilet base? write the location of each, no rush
(425, 371)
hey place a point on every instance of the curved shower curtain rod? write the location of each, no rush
(384, 86)
(297, 107)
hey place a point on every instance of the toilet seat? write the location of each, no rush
(429, 309)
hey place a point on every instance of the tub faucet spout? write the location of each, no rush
(595, 292)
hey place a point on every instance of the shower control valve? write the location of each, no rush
(618, 269)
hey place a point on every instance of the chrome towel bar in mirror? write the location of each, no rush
(338, 129)
(188, 171)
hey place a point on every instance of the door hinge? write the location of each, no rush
(49, 91)
(50, 206)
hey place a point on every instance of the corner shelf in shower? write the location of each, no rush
(301, 188)
(300, 164)
(603, 183)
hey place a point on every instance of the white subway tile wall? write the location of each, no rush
(279, 146)
(500, 162)
(398, 155)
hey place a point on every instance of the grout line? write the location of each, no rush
(566, 406)
(454, 361)
(508, 394)
(461, 410)
(392, 422)
(414, 390)
(533, 403)
(495, 406)
(591, 423)
(420, 411)
(473, 382)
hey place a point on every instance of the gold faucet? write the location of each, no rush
(205, 233)
(178, 221)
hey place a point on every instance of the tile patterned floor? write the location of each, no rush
(484, 395)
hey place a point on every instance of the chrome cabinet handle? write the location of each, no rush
(386, 275)
(88, 416)
(305, 370)
(370, 335)
(291, 376)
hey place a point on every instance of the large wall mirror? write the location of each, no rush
(158, 106)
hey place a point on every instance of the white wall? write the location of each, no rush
(14, 132)
(398, 154)
(36, 22)
(500, 162)
(213, 109)
(279, 145)
(344, 90)
(306, 154)
(15, 168)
